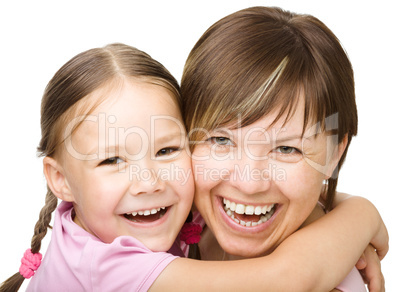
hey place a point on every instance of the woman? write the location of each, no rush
(269, 104)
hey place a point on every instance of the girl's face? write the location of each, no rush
(256, 185)
(127, 168)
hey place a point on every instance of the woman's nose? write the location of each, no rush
(250, 174)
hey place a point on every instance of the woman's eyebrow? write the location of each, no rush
(288, 138)
(221, 131)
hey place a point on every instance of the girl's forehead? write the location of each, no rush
(128, 118)
(123, 106)
(135, 96)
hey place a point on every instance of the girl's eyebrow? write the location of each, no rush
(105, 151)
(167, 137)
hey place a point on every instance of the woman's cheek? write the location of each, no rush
(302, 182)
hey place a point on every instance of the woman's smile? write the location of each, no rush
(248, 215)
(252, 214)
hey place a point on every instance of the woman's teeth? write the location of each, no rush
(233, 208)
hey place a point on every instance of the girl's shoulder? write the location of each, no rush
(76, 260)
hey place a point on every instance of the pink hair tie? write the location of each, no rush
(191, 233)
(30, 263)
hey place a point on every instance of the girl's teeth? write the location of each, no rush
(270, 208)
(265, 211)
(146, 212)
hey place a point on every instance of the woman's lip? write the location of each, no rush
(245, 229)
(263, 207)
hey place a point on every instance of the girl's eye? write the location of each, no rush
(112, 161)
(166, 151)
(223, 141)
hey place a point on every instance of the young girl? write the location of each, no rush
(115, 154)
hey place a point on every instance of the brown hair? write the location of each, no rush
(262, 59)
(74, 81)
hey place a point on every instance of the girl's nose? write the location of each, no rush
(146, 181)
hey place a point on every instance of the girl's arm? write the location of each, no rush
(380, 242)
(369, 263)
(371, 269)
(315, 258)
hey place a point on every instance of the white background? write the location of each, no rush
(37, 37)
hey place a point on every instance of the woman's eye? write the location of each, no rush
(286, 150)
(112, 161)
(286, 154)
(166, 151)
(223, 141)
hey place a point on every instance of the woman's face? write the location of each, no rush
(256, 185)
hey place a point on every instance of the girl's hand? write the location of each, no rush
(380, 240)
(369, 263)
(370, 268)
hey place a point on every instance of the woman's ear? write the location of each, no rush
(336, 156)
(56, 180)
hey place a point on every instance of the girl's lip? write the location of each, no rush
(152, 224)
(245, 229)
(147, 211)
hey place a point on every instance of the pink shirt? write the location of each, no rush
(78, 261)
(352, 283)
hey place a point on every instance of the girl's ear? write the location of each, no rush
(56, 180)
(338, 152)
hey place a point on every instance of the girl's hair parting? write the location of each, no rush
(261, 59)
(75, 80)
